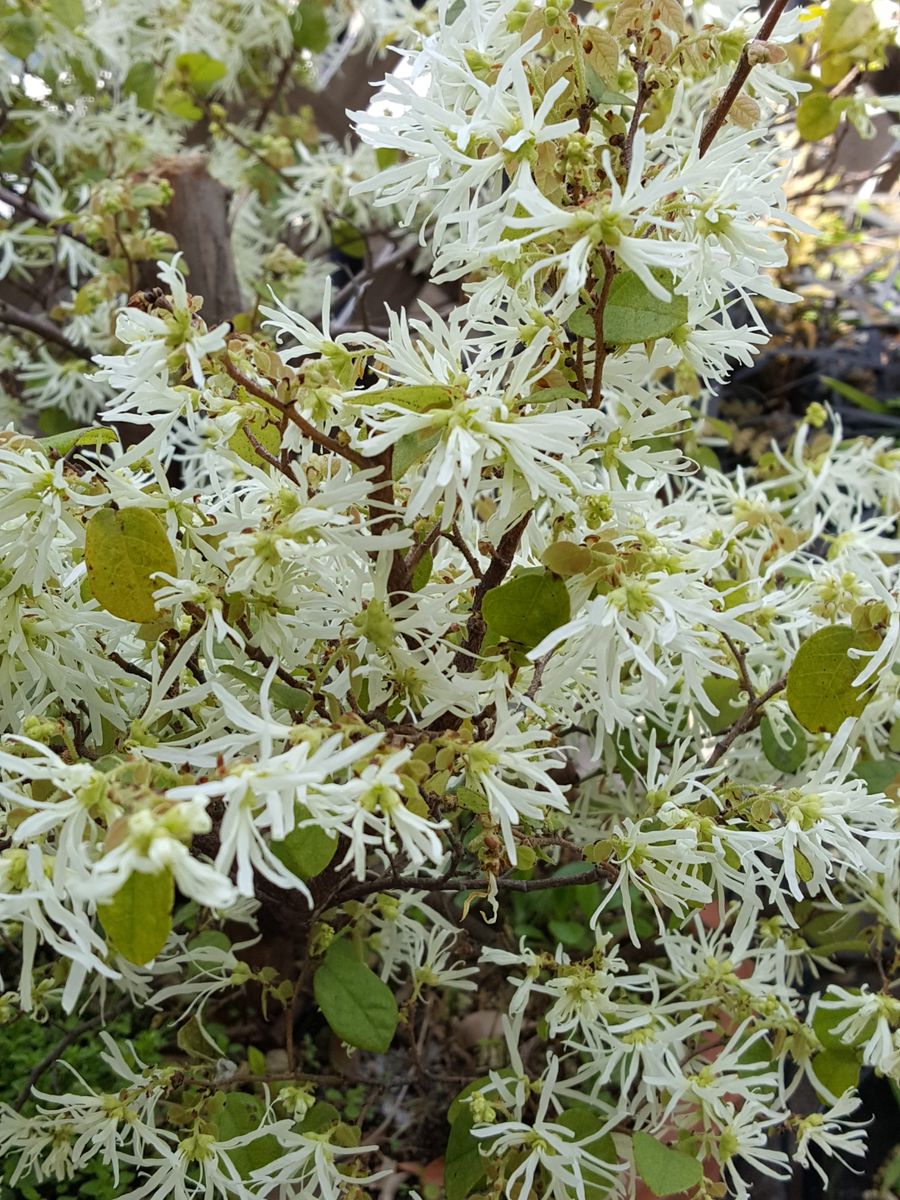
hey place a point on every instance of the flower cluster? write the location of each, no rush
(354, 672)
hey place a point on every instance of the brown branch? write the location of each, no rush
(10, 315)
(33, 211)
(643, 94)
(315, 435)
(419, 551)
(277, 88)
(740, 657)
(493, 576)
(748, 719)
(716, 119)
(265, 455)
(129, 668)
(598, 315)
(455, 538)
(470, 883)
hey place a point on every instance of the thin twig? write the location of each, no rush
(265, 455)
(277, 87)
(746, 721)
(127, 666)
(717, 117)
(29, 209)
(420, 549)
(455, 538)
(493, 576)
(538, 674)
(10, 315)
(643, 94)
(598, 315)
(740, 657)
(315, 435)
(470, 883)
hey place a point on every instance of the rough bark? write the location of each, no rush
(197, 218)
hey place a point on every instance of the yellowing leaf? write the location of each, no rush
(265, 430)
(123, 550)
(601, 50)
(567, 558)
(138, 919)
(416, 397)
(62, 443)
(846, 26)
(820, 688)
(817, 116)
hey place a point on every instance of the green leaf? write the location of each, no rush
(584, 1121)
(68, 12)
(525, 609)
(421, 572)
(836, 1069)
(347, 239)
(846, 26)
(825, 1021)
(18, 35)
(570, 933)
(210, 938)
(857, 397)
(633, 314)
(729, 703)
(307, 851)
(664, 1170)
(463, 1164)
(294, 699)
(319, 1117)
(140, 82)
(602, 95)
(138, 919)
(203, 71)
(820, 689)
(550, 395)
(878, 774)
(196, 1042)
(242, 1113)
(309, 26)
(61, 443)
(256, 1061)
(175, 100)
(409, 448)
(787, 754)
(123, 549)
(817, 116)
(358, 1006)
